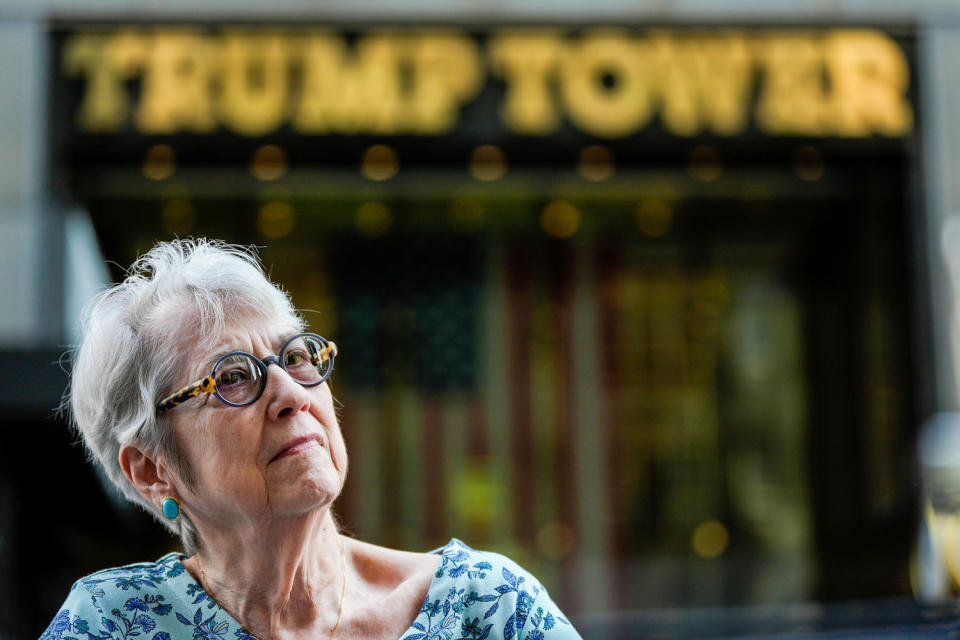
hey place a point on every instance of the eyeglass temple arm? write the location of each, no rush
(207, 385)
(326, 354)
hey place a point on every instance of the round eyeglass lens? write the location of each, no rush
(307, 360)
(238, 379)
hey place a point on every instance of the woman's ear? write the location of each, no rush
(148, 475)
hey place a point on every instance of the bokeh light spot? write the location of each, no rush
(705, 163)
(160, 162)
(560, 219)
(466, 215)
(710, 539)
(595, 163)
(808, 163)
(269, 163)
(178, 217)
(373, 219)
(654, 217)
(555, 540)
(276, 219)
(487, 163)
(379, 163)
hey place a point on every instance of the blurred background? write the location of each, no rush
(647, 295)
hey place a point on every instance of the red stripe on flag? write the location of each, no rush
(609, 261)
(518, 370)
(433, 471)
(561, 289)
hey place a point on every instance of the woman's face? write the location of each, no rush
(283, 455)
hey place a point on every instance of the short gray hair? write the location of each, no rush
(126, 360)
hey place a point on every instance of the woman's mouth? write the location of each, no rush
(298, 445)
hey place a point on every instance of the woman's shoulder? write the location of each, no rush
(132, 578)
(459, 560)
(137, 597)
(484, 594)
(169, 566)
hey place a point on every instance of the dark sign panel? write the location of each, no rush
(436, 92)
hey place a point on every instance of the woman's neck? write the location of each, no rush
(282, 579)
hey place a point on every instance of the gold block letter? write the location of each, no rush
(793, 99)
(95, 56)
(704, 82)
(254, 73)
(869, 75)
(344, 93)
(176, 84)
(447, 72)
(527, 61)
(620, 109)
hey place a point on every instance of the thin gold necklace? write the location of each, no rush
(343, 586)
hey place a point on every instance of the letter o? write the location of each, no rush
(607, 112)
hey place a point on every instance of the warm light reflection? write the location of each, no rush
(160, 162)
(178, 217)
(555, 540)
(373, 219)
(808, 163)
(487, 163)
(276, 219)
(560, 219)
(466, 215)
(710, 539)
(269, 163)
(705, 163)
(595, 163)
(379, 163)
(654, 217)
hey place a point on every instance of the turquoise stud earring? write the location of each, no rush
(171, 508)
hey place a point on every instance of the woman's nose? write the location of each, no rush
(285, 396)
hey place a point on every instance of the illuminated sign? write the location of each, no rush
(607, 83)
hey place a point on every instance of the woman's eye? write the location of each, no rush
(234, 376)
(295, 358)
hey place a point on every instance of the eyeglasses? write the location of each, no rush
(239, 378)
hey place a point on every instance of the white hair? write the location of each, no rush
(135, 336)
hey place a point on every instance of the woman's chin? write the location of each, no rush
(315, 488)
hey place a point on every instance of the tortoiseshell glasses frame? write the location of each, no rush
(239, 378)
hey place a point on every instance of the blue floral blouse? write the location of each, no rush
(475, 595)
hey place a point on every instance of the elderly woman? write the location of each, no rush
(198, 389)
